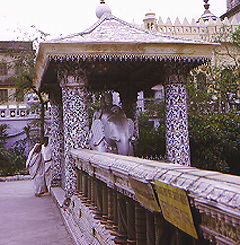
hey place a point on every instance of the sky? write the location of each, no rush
(61, 17)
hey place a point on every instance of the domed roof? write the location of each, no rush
(150, 15)
(207, 15)
(102, 9)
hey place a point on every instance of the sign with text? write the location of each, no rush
(145, 195)
(175, 207)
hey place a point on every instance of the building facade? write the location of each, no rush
(209, 28)
(233, 10)
(15, 108)
(205, 27)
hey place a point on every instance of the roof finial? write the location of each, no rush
(206, 5)
(103, 8)
(207, 15)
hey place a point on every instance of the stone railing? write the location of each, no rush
(128, 200)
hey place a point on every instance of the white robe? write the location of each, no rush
(47, 158)
(35, 167)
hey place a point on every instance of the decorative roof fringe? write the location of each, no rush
(126, 57)
(185, 22)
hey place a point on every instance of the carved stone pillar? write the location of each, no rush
(57, 141)
(177, 138)
(73, 82)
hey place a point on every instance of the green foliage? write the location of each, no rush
(151, 143)
(215, 141)
(211, 88)
(23, 63)
(94, 103)
(3, 134)
(12, 161)
(236, 37)
(155, 108)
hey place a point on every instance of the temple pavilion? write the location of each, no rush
(114, 55)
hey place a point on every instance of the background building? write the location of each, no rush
(207, 27)
(233, 10)
(15, 111)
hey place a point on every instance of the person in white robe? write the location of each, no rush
(47, 158)
(35, 166)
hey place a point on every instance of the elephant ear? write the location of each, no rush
(130, 127)
(97, 131)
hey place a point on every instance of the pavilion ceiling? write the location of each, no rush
(116, 75)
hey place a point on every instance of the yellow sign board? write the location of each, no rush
(145, 195)
(175, 207)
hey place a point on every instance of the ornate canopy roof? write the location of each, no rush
(110, 29)
(112, 39)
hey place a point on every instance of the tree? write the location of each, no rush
(214, 87)
(214, 121)
(23, 63)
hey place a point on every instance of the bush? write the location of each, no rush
(215, 142)
(151, 143)
(11, 162)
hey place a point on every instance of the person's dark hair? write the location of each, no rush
(45, 140)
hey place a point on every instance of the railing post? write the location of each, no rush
(89, 181)
(110, 221)
(115, 213)
(121, 237)
(140, 217)
(159, 228)
(131, 233)
(150, 232)
(79, 181)
(104, 204)
(93, 194)
(85, 185)
(98, 200)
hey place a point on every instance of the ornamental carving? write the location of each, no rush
(71, 74)
(175, 73)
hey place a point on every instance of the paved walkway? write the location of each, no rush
(29, 220)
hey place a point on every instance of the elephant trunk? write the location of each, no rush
(124, 147)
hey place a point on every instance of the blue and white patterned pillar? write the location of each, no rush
(177, 136)
(75, 119)
(56, 140)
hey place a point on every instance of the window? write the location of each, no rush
(3, 95)
(3, 69)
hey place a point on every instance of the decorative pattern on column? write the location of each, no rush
(177, 137)
(56, 143)
(75, 117)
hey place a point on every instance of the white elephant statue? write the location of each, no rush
(112, 131)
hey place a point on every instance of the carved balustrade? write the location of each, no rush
(119, 202)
